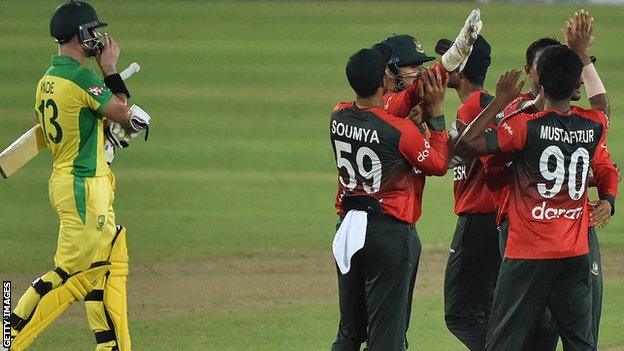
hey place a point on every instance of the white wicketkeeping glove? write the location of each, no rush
(119, 137)
(459, 52)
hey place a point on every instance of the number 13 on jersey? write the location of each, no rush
(49, 114)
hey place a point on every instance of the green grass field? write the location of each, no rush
(229, 206)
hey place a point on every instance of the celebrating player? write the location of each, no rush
(379, 157)
(544, 338)
(474, 256)
(546, 259)
(404, 95)
(91, 259)
(405, 65)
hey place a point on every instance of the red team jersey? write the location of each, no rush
(386, 157)
(401, 103)
(552, 153)
(496, 171)
(471, 193)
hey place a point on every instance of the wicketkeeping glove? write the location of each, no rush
(457, 55)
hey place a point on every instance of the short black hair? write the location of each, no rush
(559, 70)
(538, 45)
(478, 62)
(366, 69)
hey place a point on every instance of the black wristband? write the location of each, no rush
(436, 123)
(491, 141)
(116, 84)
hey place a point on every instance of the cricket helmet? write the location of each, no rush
(406, 51)
(77, 18)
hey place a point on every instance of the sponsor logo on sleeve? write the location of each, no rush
(424, 153)
(508, 128)
(96, 90)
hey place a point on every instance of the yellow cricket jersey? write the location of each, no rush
(69, 103)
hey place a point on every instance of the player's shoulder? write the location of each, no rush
(86, 78)
(515, 121)
(518, 102)
(473, 105)
(389, 118)
(591, 114)
(342, 106)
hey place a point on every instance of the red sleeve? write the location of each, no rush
(400, 104)
(511, 134)
(515, 105)
(468, 111)
(605, 173)
(430, 156)
(496, 170)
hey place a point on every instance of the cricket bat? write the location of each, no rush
(31, 143)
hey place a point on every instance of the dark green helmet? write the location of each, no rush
(406, 51)
(75, 18)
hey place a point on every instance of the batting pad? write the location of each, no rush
(115, 300)
(56, 302)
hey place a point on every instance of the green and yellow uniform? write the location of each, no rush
(69, 103)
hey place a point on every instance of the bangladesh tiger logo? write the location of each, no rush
(418, 46)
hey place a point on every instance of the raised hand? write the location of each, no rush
(432, 87)
(508, 87)
(107, 58)
(578, 34)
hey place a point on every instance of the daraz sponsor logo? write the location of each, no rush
(543, 212)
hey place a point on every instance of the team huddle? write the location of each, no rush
(524, 263)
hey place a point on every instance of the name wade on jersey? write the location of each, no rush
(355, 133)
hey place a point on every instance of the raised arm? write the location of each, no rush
(117, 109)
(430, 156)
(473, 143)
(578, 34)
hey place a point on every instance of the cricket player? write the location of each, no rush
(405, 65)
(379, 158)
(404, 94)
(546, 260)
(91, 260)
(474, 255)
(544, 337)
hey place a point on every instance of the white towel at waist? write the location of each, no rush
(349, 238)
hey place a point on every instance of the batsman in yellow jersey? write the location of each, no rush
(73, 104)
